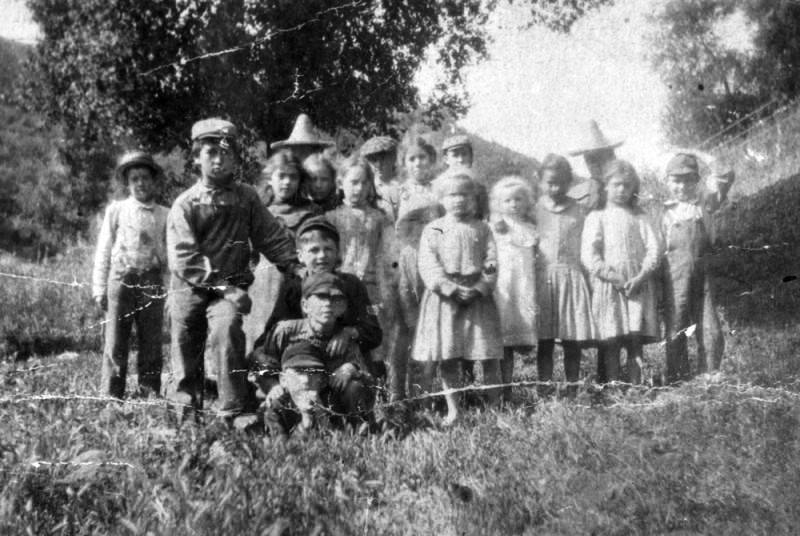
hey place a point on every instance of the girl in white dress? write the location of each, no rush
(515, 294)
(621, 251)
(458, 318)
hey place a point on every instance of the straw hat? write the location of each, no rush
(303, 133)
(136, 158)
(595, 140)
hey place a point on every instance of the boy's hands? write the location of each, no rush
(342, 375)
(239, 298)
(101, 302)
(339, 344)
(274, 395)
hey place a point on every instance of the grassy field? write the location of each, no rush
(717, 456)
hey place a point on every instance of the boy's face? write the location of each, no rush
(458, 156)
(217, 164)
(382, 165)
(285, 183)
(318, 254)
(683, 187)
(321, 184)
(355, 185)
(141, 183)
(324, 308)
(418, 163)
(596, 161)
(555, 186)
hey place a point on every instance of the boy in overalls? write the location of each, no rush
(686, 226)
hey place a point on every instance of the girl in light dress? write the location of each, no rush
(366, 236)
(515, 294)
(458, 318)
(621, 251)
(282, 189)
(563, 295)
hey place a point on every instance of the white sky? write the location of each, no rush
(537, 91)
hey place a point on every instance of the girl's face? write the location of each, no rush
(555, 186)
(141, 183)
(285, 183)
(619, 191)
(321, 184)
(418, 163)
(458, 199)
(682, 187)
(355, 186)
(514, 203)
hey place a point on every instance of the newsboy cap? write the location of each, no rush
(377, 145)
(213, 128)
(458, 140)
(682, 164)
(323, 283)
(319, 222)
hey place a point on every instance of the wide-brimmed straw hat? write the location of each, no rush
(136, 158)
(303, 133)
(595, 140)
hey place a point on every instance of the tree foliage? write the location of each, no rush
(719, 84)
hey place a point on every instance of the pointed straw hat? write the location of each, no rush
(303, 133)
(595, 140)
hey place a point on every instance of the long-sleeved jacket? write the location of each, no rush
(132, 237)
(359, 312)
(211, 233)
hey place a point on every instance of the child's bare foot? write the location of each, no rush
(450, 419)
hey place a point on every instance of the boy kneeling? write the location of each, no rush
(303, 364)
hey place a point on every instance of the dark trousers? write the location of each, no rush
(572, 363)
(136, 299)
(199, 315)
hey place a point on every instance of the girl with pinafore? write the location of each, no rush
(563, 294)
(458, 318)
(366, 234)
(515, 294)
(282, 189)
(621, 251)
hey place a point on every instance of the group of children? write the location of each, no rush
(361, 270)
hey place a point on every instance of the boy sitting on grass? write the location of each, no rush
(318, 251)
(301, 368)
(129, 267)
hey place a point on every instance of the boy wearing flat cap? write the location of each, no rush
(300, 363)
(127, 282)
(318, 251)
(686, 227)
(212, 230)
(380, 152)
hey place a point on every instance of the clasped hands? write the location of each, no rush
(629, 287)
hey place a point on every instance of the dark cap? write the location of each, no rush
(320, 223)
(303, 354)
(682, 164)
(377, 145)
(215, 128)
(133, 159)
(459, 140)
(322, 283)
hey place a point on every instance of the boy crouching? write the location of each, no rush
(301, 369)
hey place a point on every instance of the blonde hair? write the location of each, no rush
(506, 186)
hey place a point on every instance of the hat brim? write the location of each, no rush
(296, 143)
(580, 152)
(120, 171)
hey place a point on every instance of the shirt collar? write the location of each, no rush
(139, 204)
(548, 203)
